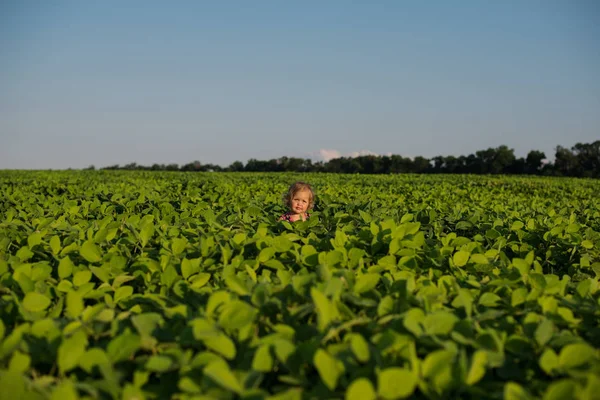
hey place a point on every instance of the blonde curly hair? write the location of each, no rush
(295, 188)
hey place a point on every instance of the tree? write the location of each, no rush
(534, 161)
(565, 162)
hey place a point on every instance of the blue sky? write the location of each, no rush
(115, 82)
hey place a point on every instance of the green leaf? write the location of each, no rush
(439, 323)
(94, 357)
(386, 306)
(514, 391)
(200, 280)
(122, 293)
(189, 267)
(146, 233)
(236, 315)
(560, 390)
(55, 245)
(549, 361)
(544, 332)
(517, 225)
(477, 370)
(71, 350)
(123, 346)
(366, 282)
(283, 349)
(19, 362)
(461, 258)
(158, 363)
(82, 277)
(74, 304)
(575, 355)
(329, 368)
(147, 323)
(489, 299)
(222, 345)
(361, 389)
(359, 347)
(479, 259)
(396, 383)
(34, 239)
(35, 302)
(236, 285)
(263, 361)
(437, 368)
(65, 268)
(65, 390)
(90, 251)
(266, 254)
(587, 244)
(178, 245)
(518, 296)
(326, 312)
(219, 372)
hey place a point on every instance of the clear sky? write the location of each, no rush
(114, 82)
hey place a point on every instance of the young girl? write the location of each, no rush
(298, 199)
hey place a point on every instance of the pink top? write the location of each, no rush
(288, 216)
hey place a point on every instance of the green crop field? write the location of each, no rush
(158, 285)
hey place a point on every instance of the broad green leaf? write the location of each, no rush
(65, 268)
(82, 277)
(90, 251)
(71, 350)
(283, 349)
(34, 239)
(479, 259)
(489, 299)
(461, 258)
(438, 369)
(587, 244)
(35, 302)
(65, 390)
(262, 361)
(574, 355)
(544, 332)
(158, 363)
(366, 282)
(178, 245)
(514, 391)
(55, 245)
(146, 323)
(560, 390)
(123, 346)
(74, 304)
(122, 293)
(326, 311)
(219, 372)
(236, 315)
(222, 345)
(439, 323)
(549, 361)
(396, 383)
(361, 389)
(329, 368)
(359, 347)
(19, 362)
(236, 285)
(478, 367)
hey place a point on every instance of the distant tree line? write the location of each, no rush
(581, 160)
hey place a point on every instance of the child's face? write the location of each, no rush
(300, 201)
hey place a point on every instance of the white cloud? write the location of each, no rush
(329, 154)
(361, 153)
